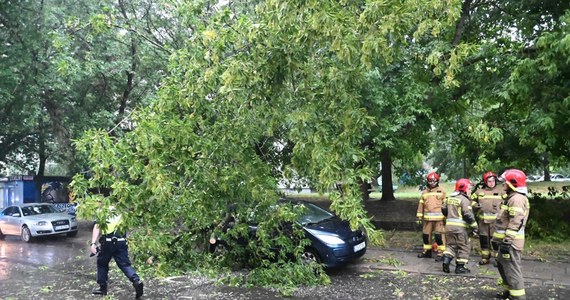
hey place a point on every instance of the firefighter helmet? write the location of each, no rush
(487, 175)
(515, 180)
(433, 176)
(432, 180)
(462, 185)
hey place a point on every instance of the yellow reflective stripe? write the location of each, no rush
(489, 217)
(485, 252)
(441, 248)
(419, 215)
(434, 218)
(517, 293)
(456, 224)
(492, 197)
(499, 235)
(504, 207)
(427, 247)
(462, 260)
(422, 201)
(434, 214)
(515, 234)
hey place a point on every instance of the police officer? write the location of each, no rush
(509, 233)
(112, 244)
(429, 213)
(486, 202)
(459, 217)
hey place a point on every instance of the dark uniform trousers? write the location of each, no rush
(117, 249)
(510, 269)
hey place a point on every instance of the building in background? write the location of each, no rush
(21, 189)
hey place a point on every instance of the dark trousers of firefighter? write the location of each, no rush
(436, 228)
(485, 235)
(458, 246)
(118, 251)
(510, 269)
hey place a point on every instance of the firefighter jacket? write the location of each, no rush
(431, 201)
(511, 221)
(486, 203)
(459, 214)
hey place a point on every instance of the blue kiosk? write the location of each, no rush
(21, 189)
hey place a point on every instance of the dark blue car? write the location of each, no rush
(333, 243)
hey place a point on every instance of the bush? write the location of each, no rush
(549, 218)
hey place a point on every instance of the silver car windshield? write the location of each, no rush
(38, 209)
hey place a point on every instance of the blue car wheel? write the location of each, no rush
(310, 256)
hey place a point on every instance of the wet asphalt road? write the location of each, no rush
(60, 268)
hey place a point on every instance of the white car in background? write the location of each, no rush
(36, 219)
(553, 177)
(558, 177)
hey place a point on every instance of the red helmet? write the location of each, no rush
(463, 185)
(432, 176)
(487, 175)
(515, 179)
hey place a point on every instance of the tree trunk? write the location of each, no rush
(545, 167)
(42, 153)
(365, 190)
(387, 186)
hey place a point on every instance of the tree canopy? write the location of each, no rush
(172, 111)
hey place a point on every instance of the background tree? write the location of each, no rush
(71, 66)
(489, 124)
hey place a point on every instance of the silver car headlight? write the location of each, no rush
(73, 219)
(41, 223)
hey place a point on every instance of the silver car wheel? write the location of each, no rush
(26, 234)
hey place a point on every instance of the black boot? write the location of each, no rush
(446, 261)
(461, 269)
(100, 290)
(503, 295)
(138, 288)
(439, 258)
(425, 254)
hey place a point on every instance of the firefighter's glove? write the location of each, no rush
(475, 232)
(504, 250)
(419, 221)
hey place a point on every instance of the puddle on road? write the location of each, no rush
(17, 256)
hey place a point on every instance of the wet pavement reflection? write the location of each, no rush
(43, 252)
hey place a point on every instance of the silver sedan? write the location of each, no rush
(36, 219)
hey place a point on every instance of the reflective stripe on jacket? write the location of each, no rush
(512, 219)
(429, 207)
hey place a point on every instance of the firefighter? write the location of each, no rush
(429, 214)
(509, 233)
(459, 217)
(486, 202)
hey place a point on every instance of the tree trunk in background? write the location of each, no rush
(42, 153)
(545, 164)
(365, 190)
(387, 186)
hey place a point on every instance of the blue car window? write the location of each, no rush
(314, 214)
